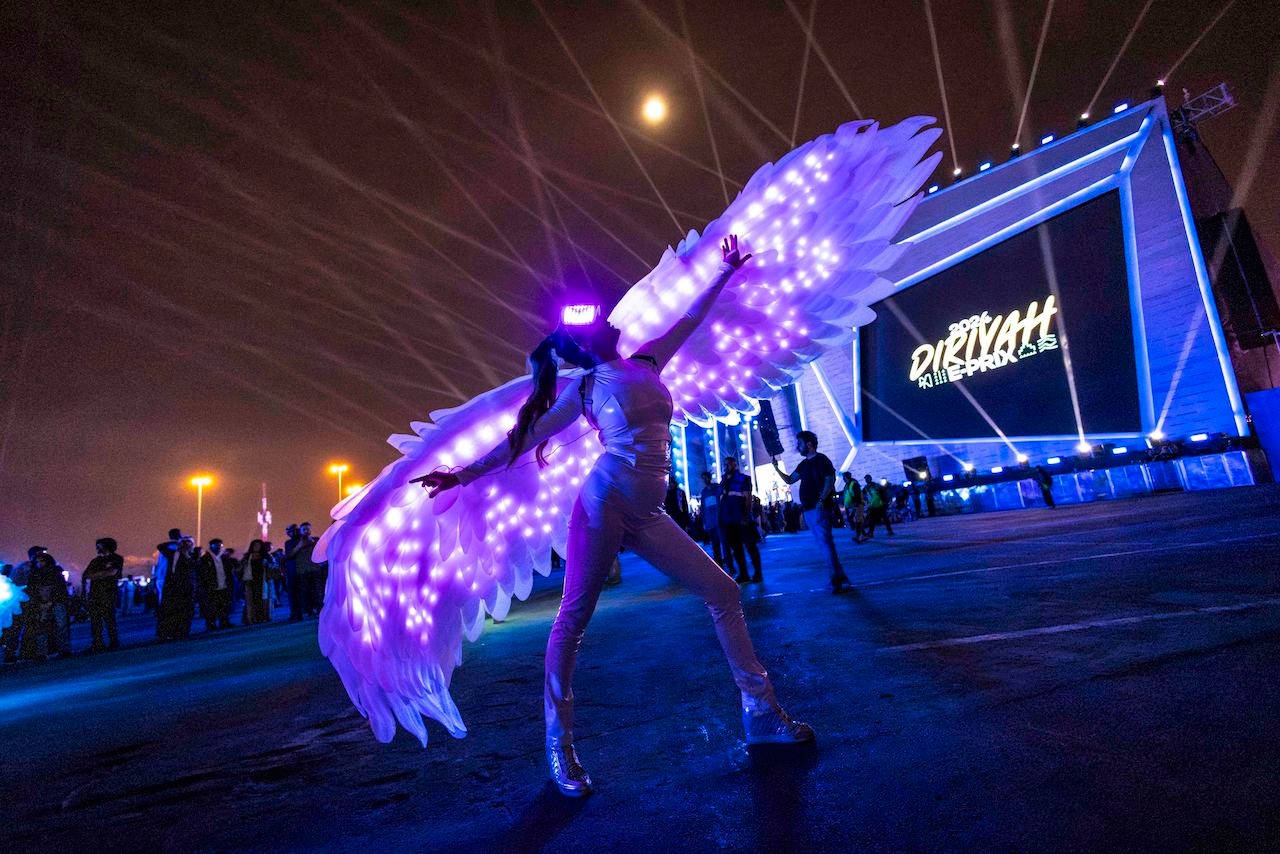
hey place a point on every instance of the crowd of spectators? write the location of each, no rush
(186, 582)
(212, 583)
(731, 521)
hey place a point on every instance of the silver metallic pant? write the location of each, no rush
(620, 505)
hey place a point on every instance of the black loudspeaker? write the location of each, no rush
(1239, 279)
(769, 430)
(913, 467)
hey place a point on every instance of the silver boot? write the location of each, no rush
(567, 772)
(772, 725)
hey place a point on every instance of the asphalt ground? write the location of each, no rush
(1103, 676)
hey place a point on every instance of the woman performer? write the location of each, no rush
(621, 503)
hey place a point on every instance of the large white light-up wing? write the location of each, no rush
(819, 222)
(11, 598)
(409, 575)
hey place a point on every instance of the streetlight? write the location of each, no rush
(200, 482)
(339, 469)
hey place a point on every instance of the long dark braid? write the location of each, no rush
(544, 367)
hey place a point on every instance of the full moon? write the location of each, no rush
(654, 109)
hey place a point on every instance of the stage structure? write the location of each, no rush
(1054, 310)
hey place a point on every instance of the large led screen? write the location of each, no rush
(983, 344)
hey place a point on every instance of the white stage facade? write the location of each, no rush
(1053, 310)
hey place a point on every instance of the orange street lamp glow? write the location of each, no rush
(200, 481)
(339, 469)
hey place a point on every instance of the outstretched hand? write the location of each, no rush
(732, 256)
(437, 482)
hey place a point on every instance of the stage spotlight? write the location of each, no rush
(1022, 458)
(967, 466)
(906, 483)
(933, 189)
(1046, 139)
(1120, 107)
(1083, 121)
(1207, 443)
(1084, 447)
(957, 171)
(1053, 461)
(1160, 83)
(997, 469)
(884, 481)
(1014, 150)
(1084, 117)
(1156, 435)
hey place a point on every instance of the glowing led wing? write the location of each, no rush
(410, 576)
(11, 598)
(820, 223)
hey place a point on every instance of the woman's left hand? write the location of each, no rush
(732, 256)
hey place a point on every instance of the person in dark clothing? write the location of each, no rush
(100, 580)
(791, 518)
(291, 573)
(20, 575)
(711, 514)
(310, 574)
(677, 504)
(737, 527)
(253, 569)
(45, 630)
(817, 477)
(166, 554)
(877, 507)
(216, 572)
(1045, 481)
(177, 606)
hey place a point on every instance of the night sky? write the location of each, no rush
(252, 238)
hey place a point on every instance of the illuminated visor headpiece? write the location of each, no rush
(580, 315)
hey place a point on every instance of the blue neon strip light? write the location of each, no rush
(1024, 188)
(1097, 188)
(1142, 358)
(1202, 276)
(1073, 438)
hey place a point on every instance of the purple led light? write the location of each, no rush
(579, 315)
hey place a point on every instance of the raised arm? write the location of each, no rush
(789, 478)
(662, 348)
